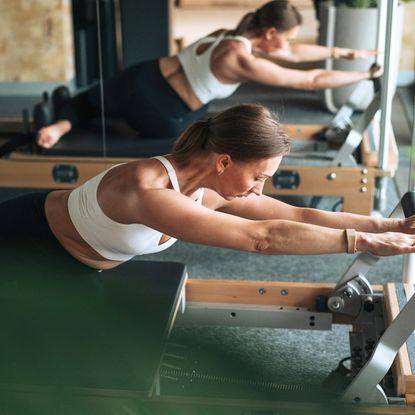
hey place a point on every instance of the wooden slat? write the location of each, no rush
(410, 400)
(370, 155)
(37, 171)
(284, 294)
(354, 184)
(304, 131)
(402, 367)
(249, 292)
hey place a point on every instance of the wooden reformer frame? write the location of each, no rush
(355, 185)
(245, 296)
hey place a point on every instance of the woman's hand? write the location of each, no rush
(344, 53)
(406, 225)
(375, 71)
(385, 244)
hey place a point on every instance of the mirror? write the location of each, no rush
(133, 33)
(47, 46)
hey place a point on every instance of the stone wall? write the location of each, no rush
(36, 41)
(407, 62)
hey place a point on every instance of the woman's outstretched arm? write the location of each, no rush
(299, 52)
(250, 68)
(265, 207)
(188, 221)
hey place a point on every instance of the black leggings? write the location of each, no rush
(23, 223)
(141, 96)
(24, 217)
(26, 241)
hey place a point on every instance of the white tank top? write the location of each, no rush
(113, 240)
(197, 68)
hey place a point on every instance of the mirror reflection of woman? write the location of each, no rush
(160, 98)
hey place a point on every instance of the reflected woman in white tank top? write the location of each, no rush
(161, 98)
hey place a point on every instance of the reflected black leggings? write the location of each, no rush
(141, 96)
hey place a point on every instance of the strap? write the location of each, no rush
(200, 195)
(351, 240)
(170, 171)
(213, 40)
(243, 39)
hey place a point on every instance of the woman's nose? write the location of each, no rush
(257, 189)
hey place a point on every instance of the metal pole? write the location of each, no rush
(381, 31)
(101, 83)
(386, 102)
(409, 259)
(331, 24)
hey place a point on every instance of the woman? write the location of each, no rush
(160, 98)
(207, 191)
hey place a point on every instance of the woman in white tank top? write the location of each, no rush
(160, 98)
(207, 191)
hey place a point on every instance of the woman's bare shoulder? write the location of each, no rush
(139, 174)
(231, 50)
(150, 173)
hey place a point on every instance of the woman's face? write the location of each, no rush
(240, 179)
(273, 40)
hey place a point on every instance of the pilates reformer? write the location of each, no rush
(66, 165)
(364, 185)
(344, 172)
(77, 340)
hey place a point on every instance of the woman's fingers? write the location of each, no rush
(362, 53)
(391, 243)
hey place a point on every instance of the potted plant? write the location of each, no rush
(353, 24)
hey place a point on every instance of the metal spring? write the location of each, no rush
(191, 376)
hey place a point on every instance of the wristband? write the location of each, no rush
(351, 240)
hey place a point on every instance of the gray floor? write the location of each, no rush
(286, 355)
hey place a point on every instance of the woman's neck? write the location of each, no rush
(195, 174)
(253, 38)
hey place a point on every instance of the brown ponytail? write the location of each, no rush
(280, 14)
(246, 132)
(246, 24)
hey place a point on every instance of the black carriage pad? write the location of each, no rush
(65, 325)
(120, 141)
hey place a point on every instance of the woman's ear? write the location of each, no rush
(222, 162)
(269, 33)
